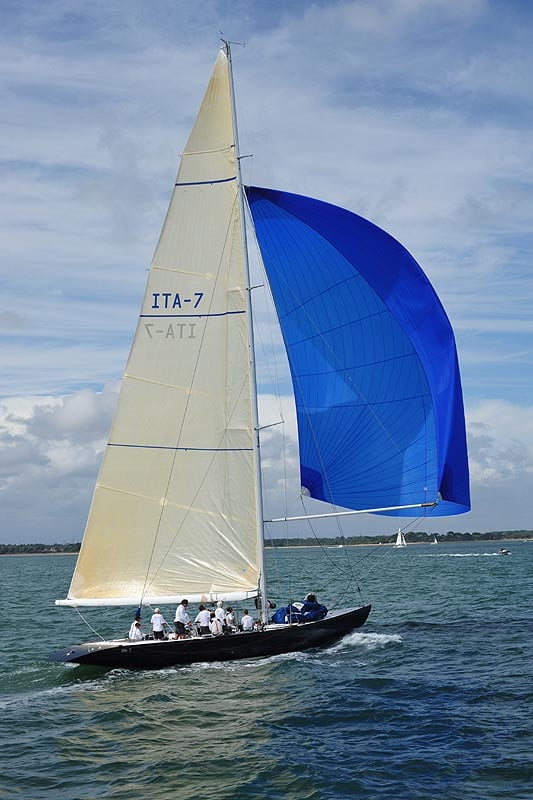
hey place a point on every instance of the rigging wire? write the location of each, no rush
(269, 350)
(88, 624)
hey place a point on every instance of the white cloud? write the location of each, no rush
(51, 447)
(415, 113)
(501, 443)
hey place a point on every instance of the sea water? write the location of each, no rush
(431, 699)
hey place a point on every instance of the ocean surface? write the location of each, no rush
(432, 699)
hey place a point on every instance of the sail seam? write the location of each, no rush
(179, 271)
(152, 382)
(225, 149)
(207, 183)
(183, 449)
(193, 316)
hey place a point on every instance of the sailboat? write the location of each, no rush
(400, 539)
(177, 510)
(435, 541)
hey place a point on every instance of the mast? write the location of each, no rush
(253, 379)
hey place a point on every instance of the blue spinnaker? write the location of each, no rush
(372, 357)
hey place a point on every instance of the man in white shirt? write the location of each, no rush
(215, 626)
(181, 619)
(219, 612)
(229, 619)
(135, 630)
(203, 618)
(158, 623)
(247, 622)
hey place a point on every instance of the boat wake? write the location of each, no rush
(459, 555)
(364, 641)
(367, 641)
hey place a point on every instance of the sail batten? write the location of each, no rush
(206, 182)
(183, 447)
(190, 316)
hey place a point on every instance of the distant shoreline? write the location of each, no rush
(38, 553)
(289, 545)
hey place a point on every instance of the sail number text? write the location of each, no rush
(176, 300)
(173, 330)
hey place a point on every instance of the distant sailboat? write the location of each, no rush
(177, 510)
(434, 540)
(400, 539)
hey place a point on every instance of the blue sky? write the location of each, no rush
(416, 114)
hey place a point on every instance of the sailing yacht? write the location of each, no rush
(177, 510)
(400, 539)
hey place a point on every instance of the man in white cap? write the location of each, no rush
(158, 623)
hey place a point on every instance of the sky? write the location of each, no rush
(416, 114)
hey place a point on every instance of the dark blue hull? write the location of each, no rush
(274, 640)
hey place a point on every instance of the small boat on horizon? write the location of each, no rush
(400, 539)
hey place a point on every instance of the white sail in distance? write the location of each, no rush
(400, 539)
(174, 509)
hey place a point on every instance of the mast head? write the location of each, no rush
(226, 45)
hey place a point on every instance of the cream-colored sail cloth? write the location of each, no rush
(173, 513)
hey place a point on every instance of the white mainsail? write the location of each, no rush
(174, 509)
(400, 539)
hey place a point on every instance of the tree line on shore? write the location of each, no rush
(36, 549)
(413, 537)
